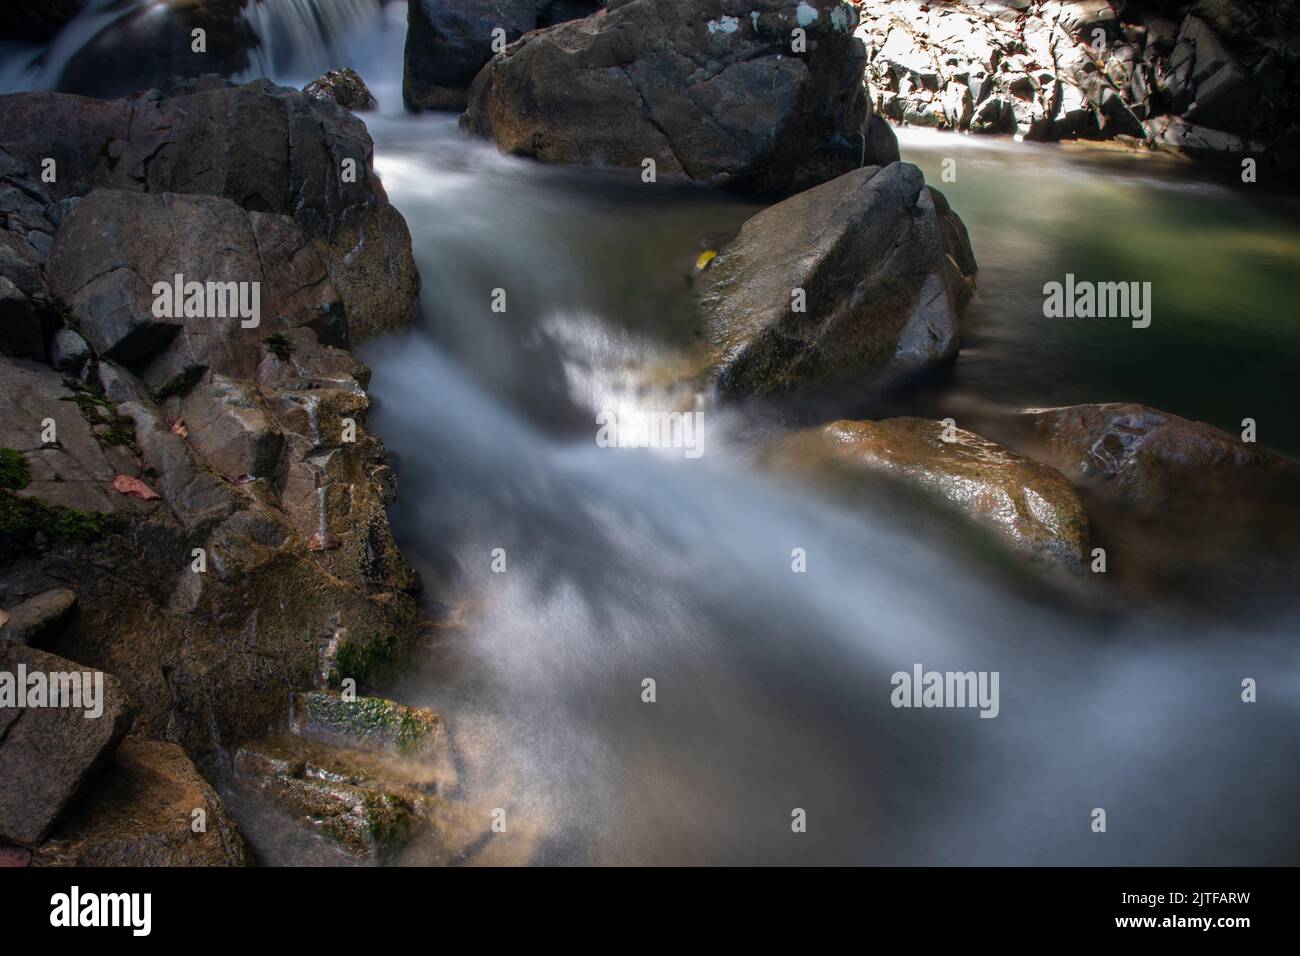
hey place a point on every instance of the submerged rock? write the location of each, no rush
(1148, 459)
(876, 270)
(1030, 507)
(142, 812)
(448, 41)
(709, 89)
(1181, 508)
(342, 87)
(49, 755)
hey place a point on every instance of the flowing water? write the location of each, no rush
(772, 689)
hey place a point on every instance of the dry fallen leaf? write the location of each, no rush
(324, 541)
(705, 258)
(178, 428)
(135, 488)
(4, 617)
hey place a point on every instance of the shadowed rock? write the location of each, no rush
(266, 148)
(709, 89)
(50, 754)
(142, 813)
(448, 41)
(881, 276)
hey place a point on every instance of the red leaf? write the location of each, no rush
(135, 488)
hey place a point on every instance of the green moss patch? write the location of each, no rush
(28, 523)
(109, 427)
(14, 472)
(278, 344)
(180, 384)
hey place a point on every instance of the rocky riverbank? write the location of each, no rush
(192, 502)
(1207, 79)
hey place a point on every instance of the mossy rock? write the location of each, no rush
(28, 525)
(14, 473)
(372, 720)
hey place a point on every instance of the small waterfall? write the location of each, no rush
(26, 66)
(304, 38)
(298, 39)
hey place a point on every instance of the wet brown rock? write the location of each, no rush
(1149, 459)
(449, 41)
(1029, 506)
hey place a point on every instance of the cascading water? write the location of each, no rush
(297, 40)
(772, 688)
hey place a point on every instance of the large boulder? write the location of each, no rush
(1028, 506)
(871, 262)
(448, 41)
(51, 751)
(721, 91)
(151, 808)
(266, 148)
(115, 246)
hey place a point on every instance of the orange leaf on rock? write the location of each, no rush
(178, 428)
(135, 488)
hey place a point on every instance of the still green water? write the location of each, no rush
(1222, 258)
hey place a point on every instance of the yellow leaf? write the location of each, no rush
(705, 258)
